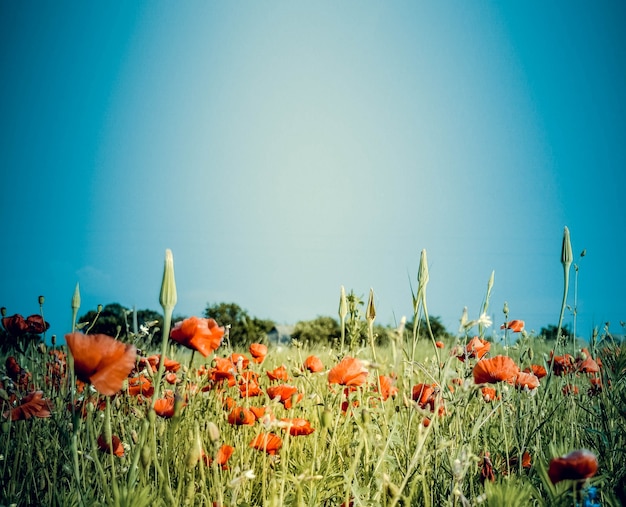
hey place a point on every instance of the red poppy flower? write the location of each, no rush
(562, 365)
(514, 325)
(526, 380)
(279, 373)
(495, 369)
(221, 457)
(140, 385)
(17, 325)
(165, 407)
(268, 442)
(116, 443)
(298, 426)
(349, 372)
(32, 405)
(241, 416)
(489, 393)
(387, 387)
(569, 389)
(203, 335)
(285, 394)
(249, 389)
(17, 374)
(440, 344)
(588, 365)
(427, 396)
(171, 378)
(577, 465)
(101, 360)
(258, 351)
(538, 370)
(258, 411)
(475, 348)
(313, 364)
(240, 361)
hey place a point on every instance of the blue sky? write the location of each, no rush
(283, 149)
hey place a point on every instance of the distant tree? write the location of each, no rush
(550, 332)
(242, 328)
(437, 327)
(119, 322)
(320, 330)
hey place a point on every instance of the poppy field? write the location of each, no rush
(464, 421)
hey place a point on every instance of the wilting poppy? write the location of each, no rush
(562, 365)
(486, 469)
(258, 351)
(298, 426)
(349, 372)
(495, 369)
(514, 325)
(268, 442)
(313, 364)
(475, 348)
(116, 445)
(279, 373)
(239, 416)
(526, 380)
(577, 465)
(17, 325)
(285, 394)
(203, 335)
(101, 360)
(32, 405)
(17, 374)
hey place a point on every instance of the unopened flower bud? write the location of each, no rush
(168, 295)
(41, 300)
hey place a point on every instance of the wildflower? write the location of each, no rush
(349, 372)
(116, 446)
(495, 369)
(569, 389)
(516, 326)
(17, 374)
(240, 361)
(588, 365)
(526, 380)
(285, 394)
(241, 416)
(387, 387)
(258, 351)
(279, 373)
(17, 325)
(577, 465)
(101, 360)
(203, 335)
(475, 348)
(427, 396)
(32, 405)
(313, 364)
(298, 426)
(140, 385)
(536, 369)
(221, 457)
(268, 442)
(165, 407)
(562, 365)
(489, 393)
(486, 469)
(439, 344)
(249, 389)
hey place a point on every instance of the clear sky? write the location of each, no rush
(283, 149)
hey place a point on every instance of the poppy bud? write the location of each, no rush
(327, 419)
(146, 458)
(366, 418)
(566, 250)
(343, 304)
(168, 295)
(99, 308)
(3, 311)
(505, 309)
(214, 432)
(371, 309)
(76, 298)
(53, 340)
(41, 300)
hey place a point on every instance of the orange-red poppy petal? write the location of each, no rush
(101, 360)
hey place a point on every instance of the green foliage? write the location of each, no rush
(550, 332)
(242, 328)
(439, 330)
(143, 327)
(322, 330)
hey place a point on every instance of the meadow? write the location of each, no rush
(462, 422)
